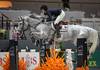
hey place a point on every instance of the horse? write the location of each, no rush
(68, 32)
(46, 31)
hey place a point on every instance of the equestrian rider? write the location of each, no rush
(55, 15)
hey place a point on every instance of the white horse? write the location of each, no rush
(41, 30)
(68, 32)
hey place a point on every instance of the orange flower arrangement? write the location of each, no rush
(53, 63)
(82, 68)
(6, 65)
(22, 64)
(86, 68)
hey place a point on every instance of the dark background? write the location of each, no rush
(89, 6)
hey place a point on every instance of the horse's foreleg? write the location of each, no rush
(94, 40)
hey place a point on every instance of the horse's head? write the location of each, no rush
(23, 22)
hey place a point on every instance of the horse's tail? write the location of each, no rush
(94, 40)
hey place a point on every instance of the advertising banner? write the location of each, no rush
(31, 59)
(4, 58)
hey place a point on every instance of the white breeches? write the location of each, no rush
(60, 17)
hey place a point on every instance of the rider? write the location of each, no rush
(55, 15)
